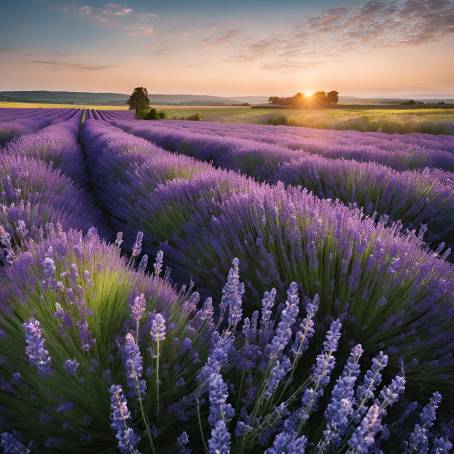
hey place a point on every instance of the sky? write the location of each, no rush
(233, 47)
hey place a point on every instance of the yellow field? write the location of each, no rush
(37, 105)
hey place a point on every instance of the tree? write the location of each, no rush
(139, 100)
(298, 100)
(333, 97)
(319, 98)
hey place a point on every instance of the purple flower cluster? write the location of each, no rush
(120, 416)
(117, 342)
(35, 350)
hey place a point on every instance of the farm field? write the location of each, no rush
(380, 119)
(35, 105)
(389, 119)
(176, 286)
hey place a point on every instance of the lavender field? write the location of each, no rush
(190, 287)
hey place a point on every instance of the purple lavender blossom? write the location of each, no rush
(218, 394)
(157, 266)
(363, 437)
(71, 366)
(11, 445)
(306, 330)
(119, 239)
(278, 372)
(372, 379)
(288, 317)
(137, 246)
(232, 293)
(267, 310)
(219, 442)
(340, 407)
(419, 438)
(37, 355)
(207, 311)
(183, 441)
(321, 372)
(288, 443)
(133, 364)
(120, 416)
(138, 307)
(158, 328)
(441, 446)
(143, 263)
(390, 394)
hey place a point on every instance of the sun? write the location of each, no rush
(308, 92)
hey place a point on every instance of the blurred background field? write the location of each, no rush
(386, 119)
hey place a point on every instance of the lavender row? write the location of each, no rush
(96, 356)
(416, 199)
(56, 145)
(13, 124)
(34, 191)
(401, 152)
(389, 292)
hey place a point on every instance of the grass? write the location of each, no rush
(37, 105)
(400, 120)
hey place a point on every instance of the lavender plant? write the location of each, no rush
(219, 384)
(389, 292)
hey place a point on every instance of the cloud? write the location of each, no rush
(56, 64)
(216, 37)
(336, 31)
(287, 65)
(114, 9)
(131, 22)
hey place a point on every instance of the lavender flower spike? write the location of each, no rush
(183, 441)
(288, 317)
(35, 351)
(390, 394)
(120, 416)
(287, 443)
(441, 446)
(157, 266)
(340, 408)
(231, 295)
(218, 394)
(158, 328)
(324, 365)
(364, 436)
(372, 379)
(219, 443)
(71, 366)
(137, 246)
(134, 367)
(419, 438)
(10, 444)
(138, 307)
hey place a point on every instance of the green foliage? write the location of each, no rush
(299, 101)
(195, 117)
(139, 100)
(151, 114)
(277, 120)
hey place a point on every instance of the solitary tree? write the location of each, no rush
(333, 97)
(139, 100)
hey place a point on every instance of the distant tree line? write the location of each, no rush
(300, 100)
